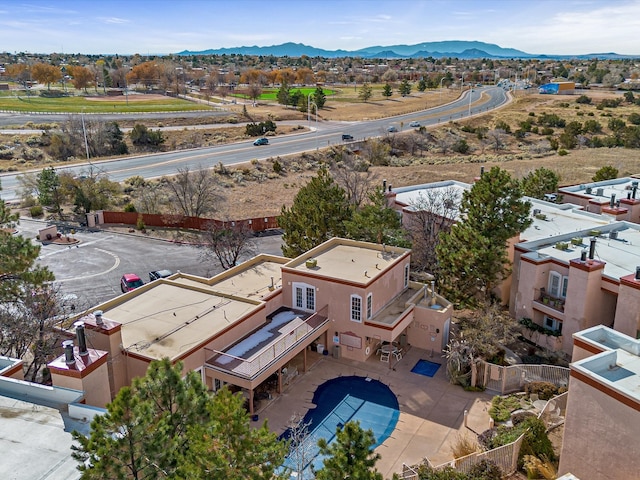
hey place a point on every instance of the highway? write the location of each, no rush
(322, 134)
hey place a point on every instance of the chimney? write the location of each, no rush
(69, 359)
(592, 248)
(637, 273)
(433, 292)
(98, 315)
(612, 202)
(390, 187)
(635, 189)
(82, 339)
(583, 256)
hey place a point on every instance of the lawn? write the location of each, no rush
(102, 104)
(271, 94)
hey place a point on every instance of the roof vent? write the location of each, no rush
(82, 339)
(592, 248)
(612, 202)
(589, 189)
(69, 359)
(637, 273)
(613, 235)
(600, 192)
(98, 316)
(536, 211)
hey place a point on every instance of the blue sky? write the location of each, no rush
(159, 26)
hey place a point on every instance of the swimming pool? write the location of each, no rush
(338, 401)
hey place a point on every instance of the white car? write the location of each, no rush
(414, 124)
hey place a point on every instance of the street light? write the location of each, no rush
(86, 144)
(470, 95)
(309, 103)
(440, 90)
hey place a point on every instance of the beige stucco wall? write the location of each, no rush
(337, 295)
(627, 319)
(95, 385)
(599, 436)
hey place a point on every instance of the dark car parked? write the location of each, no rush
(156, 274)
(346, 137)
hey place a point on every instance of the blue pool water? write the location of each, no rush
(370, 402)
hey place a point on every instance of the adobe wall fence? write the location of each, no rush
(258, 224)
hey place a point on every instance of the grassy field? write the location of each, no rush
(76, 104)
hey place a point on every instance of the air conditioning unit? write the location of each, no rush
(600, 192)
(613, 235)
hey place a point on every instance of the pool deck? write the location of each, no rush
(431, 409)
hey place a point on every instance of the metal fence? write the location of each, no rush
(513, 378)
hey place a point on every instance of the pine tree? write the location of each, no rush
(377, 223)
(387, 91)
(405, 88)
(350, 455)
(318, 213)
(365, 92)
(167, 426)
(473, 255)
(319, 97)
(539, 182)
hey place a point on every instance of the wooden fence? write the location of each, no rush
(259, 224)
(513, 378)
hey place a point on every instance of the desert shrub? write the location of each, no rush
(536, 468)
(129, 207)
(504, 126)
(277, 167)
(461, 146)
(464, 445)
(583, 99)
(634, 118)
(607, 172)
(519, 417)
(140, 223)
(501, 407)
(485, 470)
(551, 120)
(609, 103)
(562, 152)
(544, 390)
(36, 211)
(536, 442)
(546, 131)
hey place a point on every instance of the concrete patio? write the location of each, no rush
(431, 409)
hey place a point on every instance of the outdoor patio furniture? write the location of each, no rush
(384, 356)
(398, 354)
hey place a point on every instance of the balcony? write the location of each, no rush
(554, 303)
(287, 332)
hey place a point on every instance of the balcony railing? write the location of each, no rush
(556, 303)
(290, 336)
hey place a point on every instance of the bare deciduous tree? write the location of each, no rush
(195, 193)
(227, 242)
(354, 176)
(433, 212)
(302, 445)
(496, 137)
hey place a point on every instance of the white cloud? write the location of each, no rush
(114, 20)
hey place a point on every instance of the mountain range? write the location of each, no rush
(455, 48)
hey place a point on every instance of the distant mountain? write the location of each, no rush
(453, 48)
(457, 48)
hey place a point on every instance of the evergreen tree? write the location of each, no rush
(473, 254)
(605, 173)
(350, 455)
(318, 213)
(539, 182)
(49, 189)
(229, 447)
(422, 85)
(405, 88)
(319, 97)
(365, 92)
(283, 94)
(387, 91)
(167, 426)
(377, 223)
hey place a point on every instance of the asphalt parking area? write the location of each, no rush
(89, 273)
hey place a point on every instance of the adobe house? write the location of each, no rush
(261, 321)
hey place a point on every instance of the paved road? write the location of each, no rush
(89, 274)
(472, 102)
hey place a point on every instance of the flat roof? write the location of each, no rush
(620, 254)
(618, 366)
(348, 260)
(250, 279)
(551, 219)
(167, 318)
(414, 196)
(601, 191)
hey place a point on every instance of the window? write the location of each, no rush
(552, 324)
(356, 308)
(406, 275)
(218, 384)
(304, 296)
(369, 306)
(558, 285)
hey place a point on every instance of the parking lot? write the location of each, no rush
(90, 272)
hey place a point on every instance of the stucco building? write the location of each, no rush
(261, 321)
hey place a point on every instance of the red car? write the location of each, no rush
(130, 281)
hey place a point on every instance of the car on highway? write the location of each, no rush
(392, 129)
(261, 141)
(130, 281)
(346, 137)
(414, 124)
(156, 274)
